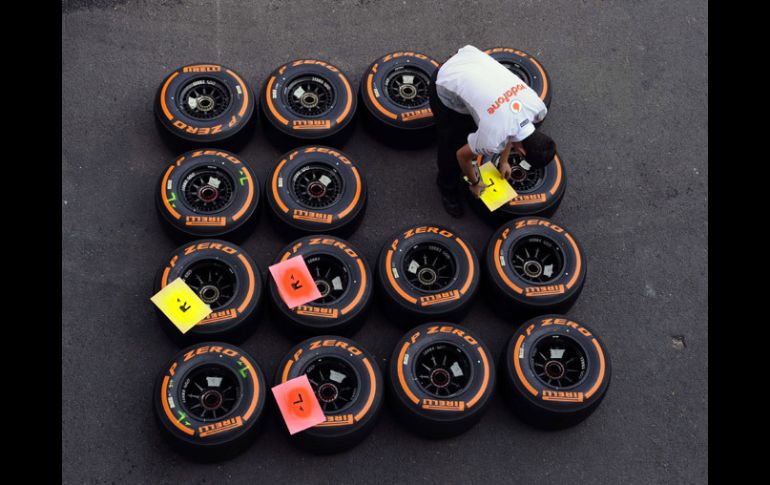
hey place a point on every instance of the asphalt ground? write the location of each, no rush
(629, 115)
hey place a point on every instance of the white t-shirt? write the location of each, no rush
(503, 106)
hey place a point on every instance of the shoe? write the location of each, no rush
(452, 203)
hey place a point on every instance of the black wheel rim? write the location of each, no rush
(408, 87)
(317, 186)
(537, 259)
(524, 181)
(334, 382)
(310, 96)
(210, 392)
(204, 99)
(213, 281)
(208, 189)
(519, 70)
(558, 361)
(330, 275)
(429, 267)
(443, 370)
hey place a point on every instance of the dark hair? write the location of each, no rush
(540, 148)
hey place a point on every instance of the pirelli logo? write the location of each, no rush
(202, 68)
(315, 311)
(562, 396)
(439, 298)
(312, 216)
(442, 405)
(205, 221)
(527, 199)
(341, 420)
(215, 317)
(416, 115)
(311, 124)
(535, 291)
(220, 427)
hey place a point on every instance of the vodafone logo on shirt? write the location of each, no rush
(516, 106)
(505, 97)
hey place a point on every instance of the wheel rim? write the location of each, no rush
(204, 99)
(559, 361)
(537, 259)
(524, 181)
(317, 186)
(213, 281)
(443, 370)
(429, 267)
(330, 275)
(208, 190)
(519, 70)
(210, 392)
(334, 382)
(310, 96)
(408, 87)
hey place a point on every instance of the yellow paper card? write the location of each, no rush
(181, 305)
(498, 191)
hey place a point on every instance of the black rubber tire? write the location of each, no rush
(532, 398)
(288, 128)
(236, 318)
(528, 68)
(192, 433)
(540, 197)
(344, 313)
(409, 304)
(429, 413)
(345, 427)
(234, 220)
(182, 129)
(516, 298)
(297, 218)
(406, 123)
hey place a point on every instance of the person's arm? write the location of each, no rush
(504, 167)
(465, 158)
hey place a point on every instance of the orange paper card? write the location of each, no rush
(294, 282)
(298, 404)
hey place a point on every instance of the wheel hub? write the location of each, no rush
(407, 91)
(408, 87)
(213, 281)
(518, 70)
(210, 392)
(442, 370)
(330, 276)
(323, 287)
(317, 185)
(327, 392)
(204, 99)
(429, 267)
(309, 96)
(558, 361)
(207, 189)
(537, 259)
(334, 382)
(309, 100)
(427, 276)
(209, 293)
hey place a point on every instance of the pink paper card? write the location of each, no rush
(298, 404)
(295, 284)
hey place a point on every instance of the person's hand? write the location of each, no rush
(505, 169)
(477, 189)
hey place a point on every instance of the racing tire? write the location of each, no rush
(308, 101)
(349, 387)
(226, 278)
(427, 273)
(316, 189)
(344, 279)
(527, 68)
(451, 395)
(533, 266)
(540, 191)
(208, 193)
(221, 419)
(556, 372)
(394, 90)
(205, 105)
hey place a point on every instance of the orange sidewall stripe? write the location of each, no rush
(484, 382)
(558, 175)
(249, 197)
(165, 197)
(245, 93)
(269, 101)
(392, 280)
(542, 73)
(500, 268)
(471, 269)
(372, 391)
(285, 375)
(361, 288)
(164, 281)
(250, 294)
(517, 365)
(275, 187)
(401, 379)
(349, 208)
(578, 262)
(376, 103)
(169, 414)
(163, 96)
(350, 98)
(601, 370)
(253, 375)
